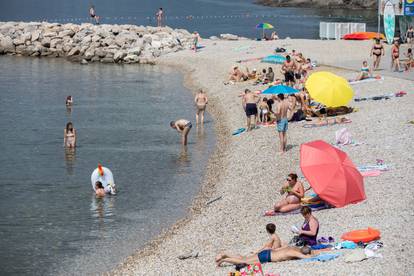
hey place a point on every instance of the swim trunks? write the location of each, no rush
(265, 256)
(289, 76)
(251, 109)
(282, 125)
(189, 125)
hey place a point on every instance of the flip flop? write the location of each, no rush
(323, 240)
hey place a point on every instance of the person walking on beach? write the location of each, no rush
(282, 120)
(93, 15)
(249, 102)
(377, 51)
(160, 17)
(201, 102)
(183, 126)
(196, 37)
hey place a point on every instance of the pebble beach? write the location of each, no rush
(245, 172)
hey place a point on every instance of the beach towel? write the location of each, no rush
(314, 207)
(378, 78)
(369, 168)
(324, 257)
(382, 97)
(322, 124)
(371, 173)
(321, 246)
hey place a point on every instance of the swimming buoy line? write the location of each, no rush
(193, 17)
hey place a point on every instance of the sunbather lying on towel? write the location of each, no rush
(328, 122)
(266, 256)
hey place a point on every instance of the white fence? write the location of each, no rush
(336, 30)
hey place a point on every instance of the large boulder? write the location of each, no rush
(46, 42)
(27, 37)
(131, 58)
(156, 44)
(134, 51)
(49, 34)
(229, 37)
(119, 55)
(19, 41)
(90, 53)
(100, 53)
(75, 51)
(67, 32)
(6, 45)
(54, 42)
(35, 35)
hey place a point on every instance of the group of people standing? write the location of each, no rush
(183, 126)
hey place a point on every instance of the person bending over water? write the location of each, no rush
(69, 136)
(99, 189)
(295, 192)
(182, 126)
(266, 256)
(201, 102)
(310, 228)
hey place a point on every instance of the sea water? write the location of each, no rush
(50, 220)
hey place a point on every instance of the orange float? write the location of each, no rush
(363, 36)
(363, 235)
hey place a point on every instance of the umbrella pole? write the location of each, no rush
(263, 34)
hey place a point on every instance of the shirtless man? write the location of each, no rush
(250, 101)
(274, 242)
(237, 75)
(288, 68)
(267, 256)
(183, 126)
(160, 16)
(282, 120)
(201, 101)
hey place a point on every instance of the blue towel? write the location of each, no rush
(323, 257)
(320, 246)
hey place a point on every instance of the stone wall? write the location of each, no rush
(91, 43)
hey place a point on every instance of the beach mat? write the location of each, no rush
(366, 80)
(324, 257)
(313, 125)
(314, 207)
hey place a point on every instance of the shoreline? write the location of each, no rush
(312, 4)
(207, 188)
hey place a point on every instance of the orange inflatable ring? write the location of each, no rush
(364, 235)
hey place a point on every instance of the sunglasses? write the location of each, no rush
(288, 179)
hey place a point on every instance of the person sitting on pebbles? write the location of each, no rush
(295, 192)
(236, 75)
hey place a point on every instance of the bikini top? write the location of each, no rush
(365, 69)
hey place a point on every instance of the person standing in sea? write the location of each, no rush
(183, 127)
(201, 102)
(282, 120)
(160, 16)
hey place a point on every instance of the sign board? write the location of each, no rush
(409, 7)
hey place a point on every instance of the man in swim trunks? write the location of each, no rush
(282, 120)
(250, 101)
(267, 256)
(288, 68)
(201, 101)
(183, 126)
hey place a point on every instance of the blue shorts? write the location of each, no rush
(265, 256)
(282, 125)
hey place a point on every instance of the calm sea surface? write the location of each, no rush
(50, 221)
(209, 17)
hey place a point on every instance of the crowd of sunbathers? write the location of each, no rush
(295, 70)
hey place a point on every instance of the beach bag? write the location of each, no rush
(280, 50)
(297, 241)
(343, 137)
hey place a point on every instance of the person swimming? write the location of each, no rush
(99, 189)
(69, 136)
(69, 101)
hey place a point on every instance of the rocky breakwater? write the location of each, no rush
(91, 43)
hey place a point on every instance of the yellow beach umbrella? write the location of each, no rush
(329, 89)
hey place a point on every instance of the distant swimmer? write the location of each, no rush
(69, 101)
(99, 189)
(69, 136)
(183, 126)
(201, 102)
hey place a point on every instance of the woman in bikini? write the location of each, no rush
(395, 54)
(410, 61)
(410, 36)
(295, 192)
(201, 101)
(69, 136)
(377, 51)
(365, 72)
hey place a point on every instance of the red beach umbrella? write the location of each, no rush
(331, 174)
